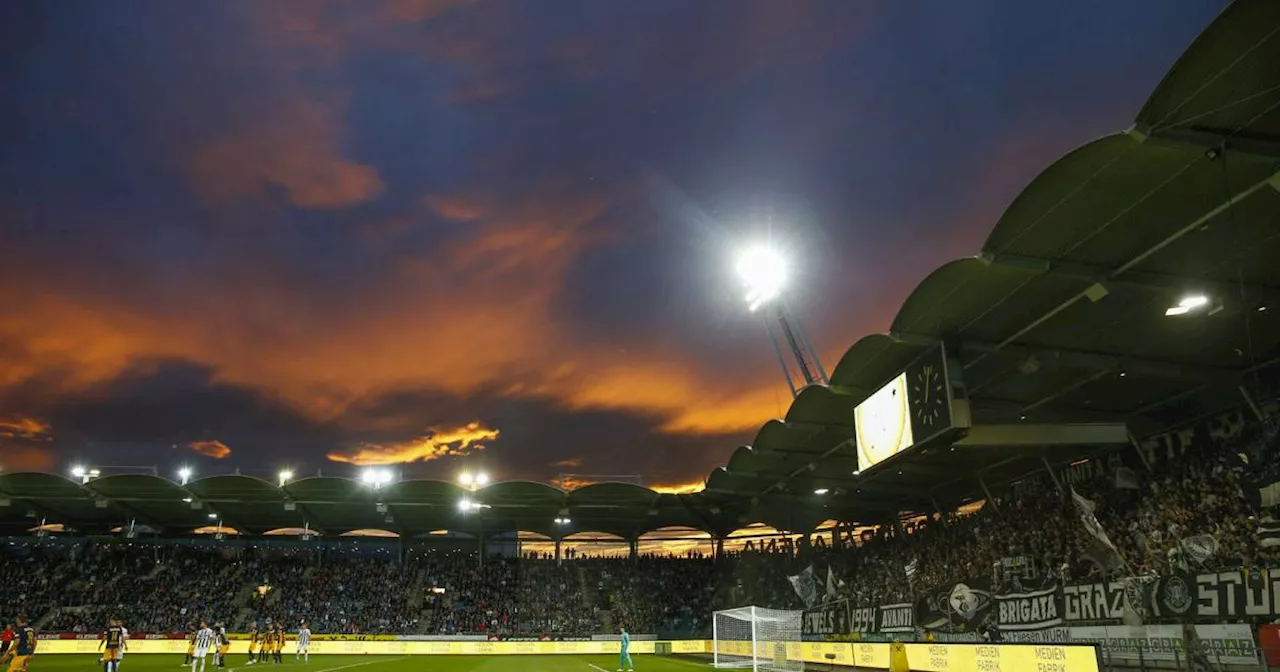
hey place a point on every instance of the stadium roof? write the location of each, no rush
(1058, 322)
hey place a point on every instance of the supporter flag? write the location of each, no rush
(911, 568)
(1268, 532)
(1101, 550)
(1134, 609)
(831, 585)
(1126, 479)
(1200, 548)
(806, 588)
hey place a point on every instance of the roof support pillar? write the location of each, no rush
(1248, 400)
(1142, 454)
(987, 491)
(1052, 474)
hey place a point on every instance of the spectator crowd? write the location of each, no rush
(1205, 491)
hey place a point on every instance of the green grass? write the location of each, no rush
(561, 663)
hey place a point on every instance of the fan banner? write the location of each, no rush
(1036, 610)
(963, 606)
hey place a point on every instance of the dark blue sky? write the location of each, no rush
(497, 234)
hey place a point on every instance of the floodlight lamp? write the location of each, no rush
(821, 491)
(77, 471)
(213, 516)
(482, 478)
(464, 504)
(465, 478)
(763, 272)
(1187, 304)
(285, 476)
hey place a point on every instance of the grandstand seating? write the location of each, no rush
(163, 585)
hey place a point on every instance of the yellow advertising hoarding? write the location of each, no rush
(874, 655)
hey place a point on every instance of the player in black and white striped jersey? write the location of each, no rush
(304, 643)
(204, 642)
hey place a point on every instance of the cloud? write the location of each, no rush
(211, 448)
(24, 458)
(293, 145)
(24, 428)
(455, 208)
(453, 442)
(568, 462)
(680, 488)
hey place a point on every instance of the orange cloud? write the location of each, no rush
(24, 428)
(571, 483)
(680, 488)
(23, 458)
(215, 449)
(290, 145)
(439, 443)
(571, 462)
(455, 208)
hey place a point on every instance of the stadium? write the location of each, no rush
(1063, 455)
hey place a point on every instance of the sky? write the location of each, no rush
(451, 235)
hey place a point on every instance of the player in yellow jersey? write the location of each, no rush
(23, 648)
(279, 643)
(253, 641)
(191, 645)
(112, 646)
(224, 643)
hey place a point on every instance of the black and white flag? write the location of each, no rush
(831, 585)
(1101, 549)
(911, 568)
(805, 586)
(1200, 548)
(1268, 532)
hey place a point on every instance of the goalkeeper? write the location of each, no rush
(624, 652)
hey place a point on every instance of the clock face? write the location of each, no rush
(929, 397)
(883, 423)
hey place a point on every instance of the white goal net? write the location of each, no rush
(757, 638)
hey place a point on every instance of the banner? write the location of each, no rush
(955, 607)
(896, 618)
(1232, 594)
(1230, 644)
(827, 620)
(1035, 610)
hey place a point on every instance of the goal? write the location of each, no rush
(757, 638)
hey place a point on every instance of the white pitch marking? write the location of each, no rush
(597, 667)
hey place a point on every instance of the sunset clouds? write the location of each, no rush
(314, 229)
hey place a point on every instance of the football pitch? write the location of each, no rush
(557, 663)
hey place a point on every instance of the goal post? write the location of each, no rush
(757, 638)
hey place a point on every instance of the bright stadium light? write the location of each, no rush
(184, 475)
(285, 476)
(1187, 304)
(763, 272)
(482, 478)
(375, 478)
(77, 471)
(562, 521)
(465, 478)
(821, 491)
(213, 516)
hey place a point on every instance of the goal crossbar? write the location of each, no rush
(757, 638)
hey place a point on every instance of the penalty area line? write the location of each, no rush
(340, 667)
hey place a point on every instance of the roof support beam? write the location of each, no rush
(1210, 139)
(1005, 436)
(1097, 291)
(1085, 360)
(1160, 282)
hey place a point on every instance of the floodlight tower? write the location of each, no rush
(764, 273)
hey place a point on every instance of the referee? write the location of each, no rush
(6, 639)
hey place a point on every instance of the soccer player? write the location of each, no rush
(224, 644)
(112, 644)
(304, 643)
(191, 645)
(279, 643)
(253, 640)
(264, 642)
(124, 641)
(23, 648)
(204, 641)
(624, 652)
(6, 638)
